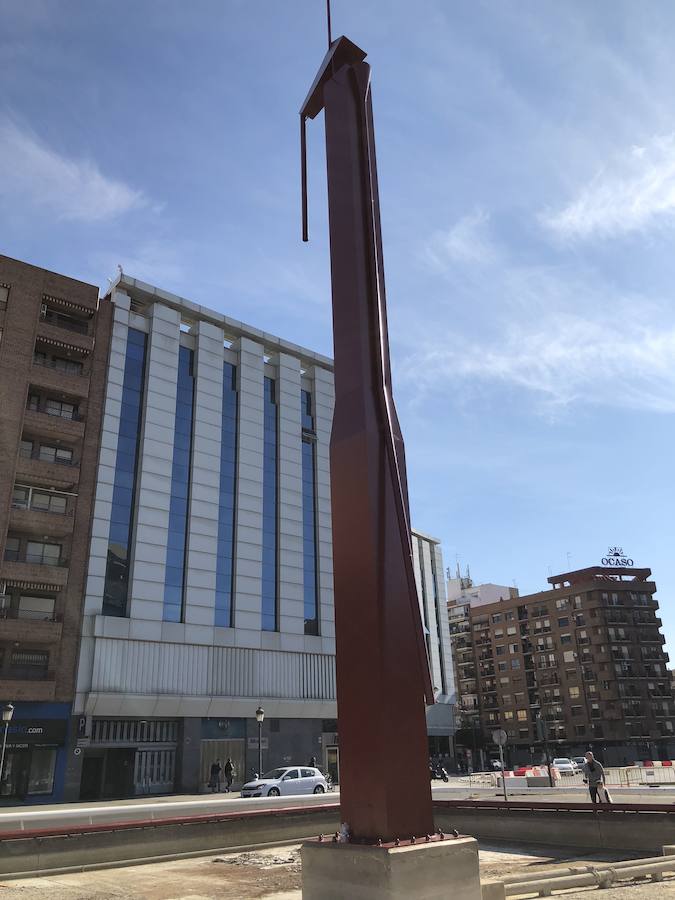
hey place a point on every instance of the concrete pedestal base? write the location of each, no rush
(425, 871)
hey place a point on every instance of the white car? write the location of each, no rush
(566, 766)
(286, 780)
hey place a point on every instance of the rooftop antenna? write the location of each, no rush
(303, 143)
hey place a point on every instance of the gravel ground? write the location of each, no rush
(272, 874)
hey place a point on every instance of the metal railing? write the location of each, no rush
(67, 322)
(77, 369)
(13, 612)
(74, 416)
(35, 454)
(33, 558)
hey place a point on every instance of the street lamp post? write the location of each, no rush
(260, 718)
(7, 713)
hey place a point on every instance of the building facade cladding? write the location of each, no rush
(427, 563)
(587, 657)
(309, 548)
(258, 622)
(270, 557)
(120, 538)
(176, 549)
(54, 340)
(226, 499)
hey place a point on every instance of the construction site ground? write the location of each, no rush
(274, 874)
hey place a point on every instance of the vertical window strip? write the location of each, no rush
(270, 560)
(423, 584)
(309, 537)
(439, 631)
(174, 582)
(120, 538)
(226, 500)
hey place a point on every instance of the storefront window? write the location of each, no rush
(41, 777)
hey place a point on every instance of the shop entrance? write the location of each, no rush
(92, 777)
(332, 763)
(118, 780)
(213, 750)
(15, 774)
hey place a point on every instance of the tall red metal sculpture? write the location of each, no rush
(382, 663)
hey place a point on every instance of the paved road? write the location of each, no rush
(29, 817)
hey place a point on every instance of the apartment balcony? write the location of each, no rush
(65, 332)
(42, 424)
(23, 689)
(28, 571)
(31, 468)
(32, 521)
(51, 378)
(29, 630)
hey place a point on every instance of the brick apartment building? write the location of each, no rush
(54, 341)
(587, 656)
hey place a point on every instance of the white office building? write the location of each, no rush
(210, 584)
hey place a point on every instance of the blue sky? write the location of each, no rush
(527, 175)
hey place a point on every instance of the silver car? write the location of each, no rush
(285, 781)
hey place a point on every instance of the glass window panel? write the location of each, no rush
(310, 581)
(180, 488)
(36, 607)
(116, 586)
(41, 773)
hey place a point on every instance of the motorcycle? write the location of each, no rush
(438, 773)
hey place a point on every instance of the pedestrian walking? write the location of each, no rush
(228, 770)
(214, 779)
(312, 762)
(594, 775)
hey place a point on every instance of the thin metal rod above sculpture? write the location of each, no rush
(382, 663)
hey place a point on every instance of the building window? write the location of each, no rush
(270, 549)
(511, 629)
(522, 715)
(574, 693)
(500, 650)
(563, 622)
(502, 667)
(508, 714)
(174, 580)
(29, 665)
(515, 663)
(120, 537)
(43, 553)
(565, 638)
(4, 295)
(41, 608)
(226, 500)
(309, 545)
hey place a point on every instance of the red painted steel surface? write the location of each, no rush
(382, 666)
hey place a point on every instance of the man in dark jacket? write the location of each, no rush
(228, 770)
(594, 775)
(214, 782)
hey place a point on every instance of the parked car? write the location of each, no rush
(286, 780)
(579, 760)
(566, 766)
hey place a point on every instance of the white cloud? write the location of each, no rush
(467, 242)
(565, 358)
(72, 189)
(554, 336)
(633, 193)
